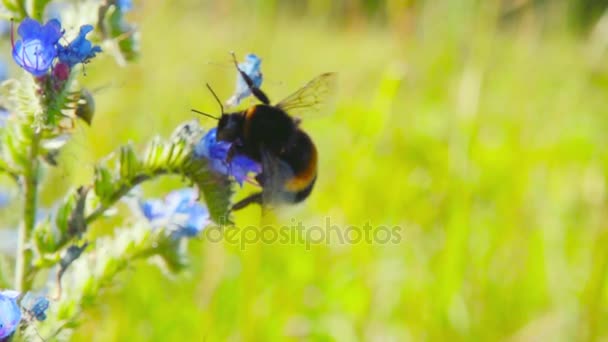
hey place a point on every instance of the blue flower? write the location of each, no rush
(124, 5)
(251, 67)
(37, 49)
(10, 314)
(217, 151)
(35, 305)
(80, 50)
(154, 210)
(179, 210)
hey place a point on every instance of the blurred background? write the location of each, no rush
(476, 127)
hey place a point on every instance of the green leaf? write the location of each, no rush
(63, 214)
(103, 184)
(46, 237)
(129, 165)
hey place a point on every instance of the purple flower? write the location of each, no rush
(80, 50)
(37, 49)
(217, 151)
(35, 305)
(251, 67)
(179, 210)
(10, 314)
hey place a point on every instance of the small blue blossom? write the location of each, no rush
(124, 5)
(80, 50)
(37, 49)
(217, 151)
(35, 305)
(154, 209)
(180, 209)
(251, 67)
(10, 314)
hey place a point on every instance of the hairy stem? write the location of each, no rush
(23, 276)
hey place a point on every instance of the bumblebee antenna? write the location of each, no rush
(216, 98)
(218, 102)
(204, 114)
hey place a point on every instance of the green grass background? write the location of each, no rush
(478, 130)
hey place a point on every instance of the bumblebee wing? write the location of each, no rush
(313, 97)
(275, 172)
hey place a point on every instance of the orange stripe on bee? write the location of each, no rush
(303, 178)
(249, 113)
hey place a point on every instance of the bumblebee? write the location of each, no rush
(269, 135)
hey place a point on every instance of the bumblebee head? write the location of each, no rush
(229, 127)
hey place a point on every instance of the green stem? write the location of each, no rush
(23, 276)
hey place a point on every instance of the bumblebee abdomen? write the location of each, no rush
(301, 155)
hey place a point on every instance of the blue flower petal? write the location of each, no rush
(180, 210)
(29, 28)
(10, 314)
(36, 50)
(124, 5)
(191, 218)
(80, 50)
(153, 209)
(251, 67)
(217, 151)
(51, 31)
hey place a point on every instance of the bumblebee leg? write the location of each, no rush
(257, 92)
(260, 178)
(255, 198)
(231, 153)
